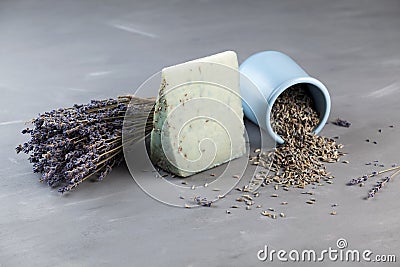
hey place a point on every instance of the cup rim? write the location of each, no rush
(285, 85)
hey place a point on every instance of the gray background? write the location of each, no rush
(55, 54)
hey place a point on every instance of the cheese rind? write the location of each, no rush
(198, 117)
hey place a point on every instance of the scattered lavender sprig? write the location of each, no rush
(69, 145)
(342, 123)
(202, 201)
(364, 178)
(359, 180)
(378, 186)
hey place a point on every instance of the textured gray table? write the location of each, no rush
(55, 54)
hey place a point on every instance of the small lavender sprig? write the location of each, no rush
(361, 179)
(378, 186)
(202, 201)
(364, 178)
(342, 123)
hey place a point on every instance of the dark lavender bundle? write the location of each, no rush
(69, 145)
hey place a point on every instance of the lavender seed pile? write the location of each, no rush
(300, 160)
(69, 145)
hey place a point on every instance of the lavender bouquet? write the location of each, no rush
(69, 145)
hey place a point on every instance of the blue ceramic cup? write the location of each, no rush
(264, 76)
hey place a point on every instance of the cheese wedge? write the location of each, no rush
(198, 117)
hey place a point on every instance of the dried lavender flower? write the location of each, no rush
(365, 177)
(202, 201)
(380, 184)
(342, 123)
(69, 145)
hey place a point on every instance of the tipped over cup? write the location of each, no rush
(268, 74)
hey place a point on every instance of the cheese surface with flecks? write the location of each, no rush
(198, 117)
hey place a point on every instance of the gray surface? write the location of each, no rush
(54, 55)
